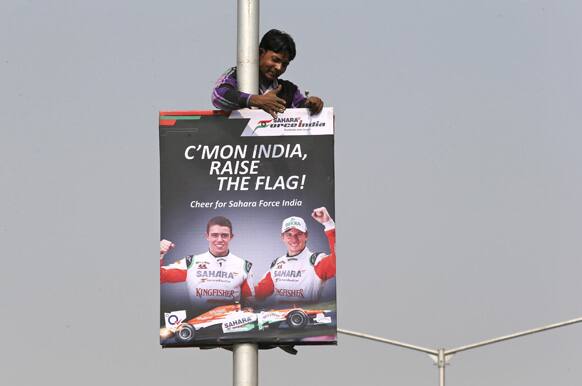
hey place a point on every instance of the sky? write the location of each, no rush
(458, 185)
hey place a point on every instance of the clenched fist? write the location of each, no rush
(165, 247)
(314, 104)
(321, 215)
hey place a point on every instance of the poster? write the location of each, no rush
(247, 244)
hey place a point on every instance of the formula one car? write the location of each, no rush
(234, 318)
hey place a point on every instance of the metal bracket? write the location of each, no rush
(446, 362)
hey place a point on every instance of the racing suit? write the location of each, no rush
(299, 278)
(211, 280)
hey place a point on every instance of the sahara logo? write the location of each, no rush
(237, 322)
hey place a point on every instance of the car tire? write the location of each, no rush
(297, 319)
(185, 334)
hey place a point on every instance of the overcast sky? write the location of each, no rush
(458, 185)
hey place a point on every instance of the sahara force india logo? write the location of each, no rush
(290, 123)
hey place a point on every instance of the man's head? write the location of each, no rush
(294, 235)
(276, 50)
(219, 233)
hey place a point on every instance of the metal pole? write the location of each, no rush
(441, 363)
(389, 341)
(245, 356)
(513, 336)
(245, 364)
(441, 356)
(247, 60)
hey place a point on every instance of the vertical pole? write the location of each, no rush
(245, 356)
(441, 363)
(248, 46)
(245, 364)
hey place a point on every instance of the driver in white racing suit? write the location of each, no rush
(213, 278)
(299, 275)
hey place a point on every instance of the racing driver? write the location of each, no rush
(213, 278)
(299, 275)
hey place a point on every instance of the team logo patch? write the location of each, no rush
(202, 266)
(313, 258)
(174, 319)
(292, 223)
(262, 124)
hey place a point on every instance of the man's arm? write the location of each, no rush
(226, 96)
(265, 288)
(173, 273)
(325, 267)
(269, 102)
(313, 103)
(246, 288)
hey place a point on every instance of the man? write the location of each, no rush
(299, 276)
(276, 51)
(213, 278)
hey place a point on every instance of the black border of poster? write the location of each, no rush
(209, 168)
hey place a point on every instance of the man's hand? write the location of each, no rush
(321, 215)
(269, 102)
(165, 247)
(314, 104)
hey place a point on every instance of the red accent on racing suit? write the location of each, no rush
(211, 279)
(300, 278)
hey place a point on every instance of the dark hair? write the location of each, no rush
(278, 41)
(219, 220)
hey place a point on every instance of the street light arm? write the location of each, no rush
(392, 342)
(512, 336)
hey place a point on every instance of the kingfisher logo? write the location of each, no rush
(215, 292)
(202, 266)
(289, 293)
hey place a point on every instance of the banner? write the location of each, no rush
(247, 246)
